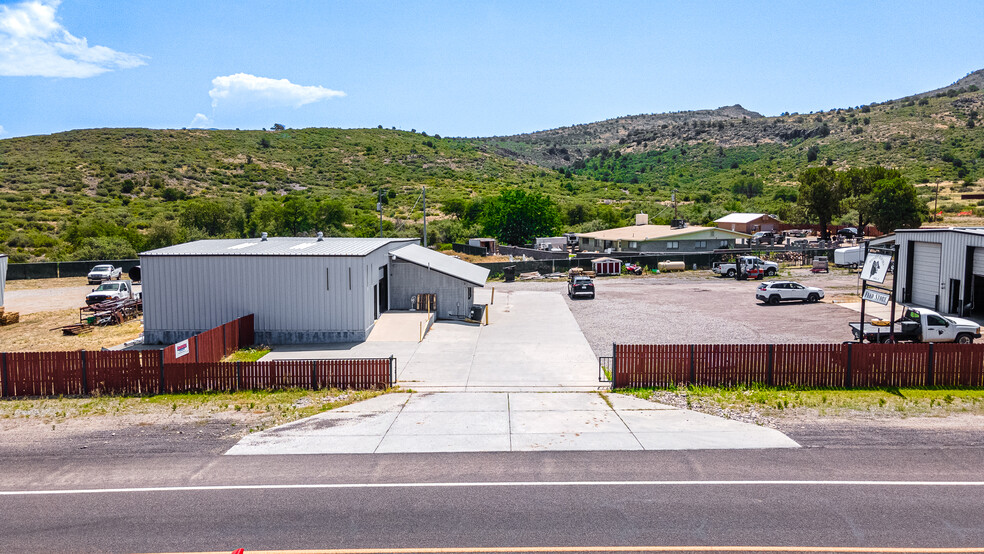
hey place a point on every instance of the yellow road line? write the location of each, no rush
(507, 549)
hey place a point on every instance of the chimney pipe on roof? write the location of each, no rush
(263, 236)
(321, 236)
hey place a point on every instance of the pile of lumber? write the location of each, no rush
(8, 318)
(111, 312)
(579, 271)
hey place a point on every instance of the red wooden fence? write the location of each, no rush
(159, 371)
(809, 365)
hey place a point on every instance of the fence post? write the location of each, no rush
(929, 367)
(768, 367)
(3, 374)
(693, 365)
(239, 376)
(85, 377)
(392, 371)
(225, 351)
(847, 372)
(196, 348)
(160, 388)
(314, 375)
(614, 365)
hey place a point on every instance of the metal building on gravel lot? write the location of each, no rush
(301, 290)
(942, 269)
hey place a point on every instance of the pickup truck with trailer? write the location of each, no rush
(110, 290)
(920, 325)
(729, 269)
(104, 272)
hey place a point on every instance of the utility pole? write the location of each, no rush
(379, 208)
(424, 194)
(673, 198)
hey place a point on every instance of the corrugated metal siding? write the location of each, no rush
(953, 258)
(407, 279)
(3, 276)
(291, 297)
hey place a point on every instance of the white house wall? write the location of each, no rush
(295, 299)
(408, 279)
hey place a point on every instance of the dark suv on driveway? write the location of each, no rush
(580, 285)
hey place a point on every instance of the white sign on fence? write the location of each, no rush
(875, 296)
(180, 348)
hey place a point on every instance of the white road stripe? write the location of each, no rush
(494, 484)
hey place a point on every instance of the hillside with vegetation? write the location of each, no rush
(110, 193)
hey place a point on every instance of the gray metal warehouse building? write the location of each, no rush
(301, 290)
(943, 269)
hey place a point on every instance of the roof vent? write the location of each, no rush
(321, 236)
(263, 236)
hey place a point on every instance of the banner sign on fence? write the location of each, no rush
(875, 296)
(180, 348)
(876, 267)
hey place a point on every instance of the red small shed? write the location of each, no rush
(606, 266)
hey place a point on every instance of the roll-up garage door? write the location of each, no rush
(979, 261)
(926, 273)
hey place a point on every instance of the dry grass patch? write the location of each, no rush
(32, 284)
(33, 333)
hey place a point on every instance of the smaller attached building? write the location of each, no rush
(416, 270)
(942, 269)
(659, 238)
(748, 223)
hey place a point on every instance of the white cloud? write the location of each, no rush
(34, 43)
(2, 130)
(243, 87)
(200, 120)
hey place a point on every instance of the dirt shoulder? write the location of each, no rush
(167, 424)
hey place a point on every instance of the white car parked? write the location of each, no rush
(776, 291)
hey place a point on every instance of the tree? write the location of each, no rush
(748, 186)
(454, 206)
(296, 215)
(820, 194)
(858, 184)
(812, 152)
(105, 248)
(517, 217)
(330, 216)
(895, 204)
(215, 218)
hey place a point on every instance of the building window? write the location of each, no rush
(700, 244)
(724, 244)
(672, 245)
(633, 244)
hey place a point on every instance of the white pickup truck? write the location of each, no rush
(110, 290)
(920, 325)
(729, 268)
(104, 272)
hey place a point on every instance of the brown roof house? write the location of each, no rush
(748, 223)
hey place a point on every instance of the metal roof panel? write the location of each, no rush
(442, 263)
(280, 246)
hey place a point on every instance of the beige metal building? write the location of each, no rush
(659, 238)
(748, 223)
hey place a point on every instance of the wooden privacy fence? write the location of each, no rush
(214, 344)
(147, 372)
(808, 365)
(191, 365)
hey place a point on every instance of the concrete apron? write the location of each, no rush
(504, 422)
(527, 381)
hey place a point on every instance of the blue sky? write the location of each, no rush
(461, 68)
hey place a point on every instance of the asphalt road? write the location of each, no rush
(874, 498)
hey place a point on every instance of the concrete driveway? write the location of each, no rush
(532, 342)
(506, 422)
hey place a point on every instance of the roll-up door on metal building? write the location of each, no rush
(979, 261)
(926, 273)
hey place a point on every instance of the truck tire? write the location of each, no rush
(812, 297)
(771, 272)
(964, 338)
(774, 300)
(731, 273)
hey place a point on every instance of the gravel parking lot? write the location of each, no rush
(699, 307)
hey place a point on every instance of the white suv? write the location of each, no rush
(776, 291)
